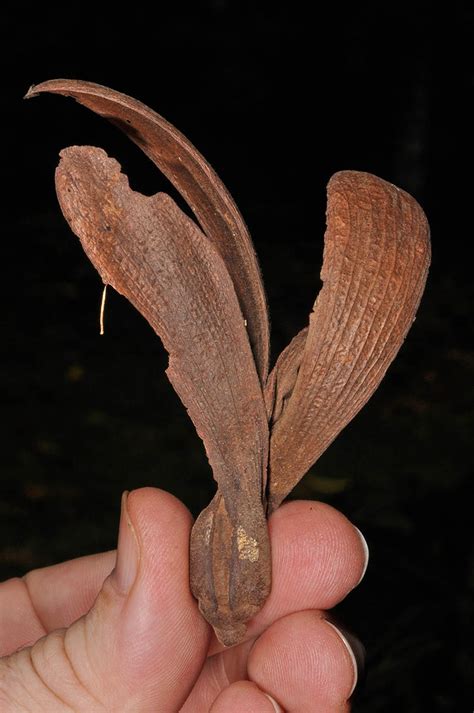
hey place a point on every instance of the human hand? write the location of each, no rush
(137, 642)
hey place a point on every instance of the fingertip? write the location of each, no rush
(242, 697)
(146, 607)
(300, 659)
(277, 708)
(356, 661)
(366, 553)
(162, 525)
(315, 538)
(149, 505)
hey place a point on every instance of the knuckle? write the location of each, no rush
(43, 678)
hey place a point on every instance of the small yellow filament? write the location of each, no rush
(102, 309)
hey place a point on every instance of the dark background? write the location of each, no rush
(277, 102)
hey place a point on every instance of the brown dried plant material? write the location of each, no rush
(376, 259)
(202, 294)
(199, 185)
(158, 258)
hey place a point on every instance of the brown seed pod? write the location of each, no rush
(200, 289)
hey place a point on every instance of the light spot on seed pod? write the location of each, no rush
(247, 546)
(208, 530)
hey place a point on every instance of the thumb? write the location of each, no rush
(143, 643)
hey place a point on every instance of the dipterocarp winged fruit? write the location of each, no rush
(199, 286)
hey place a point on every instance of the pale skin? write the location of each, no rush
(123, 633)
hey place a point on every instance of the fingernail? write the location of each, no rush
(128, 551)
(277, 708)
(355, 649)
(365, 547)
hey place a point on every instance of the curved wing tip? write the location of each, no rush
(32, 92)
(358, 179)
(60, 85)
(351, 177)
(36, 89)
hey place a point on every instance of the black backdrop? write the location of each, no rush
(277, 102)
